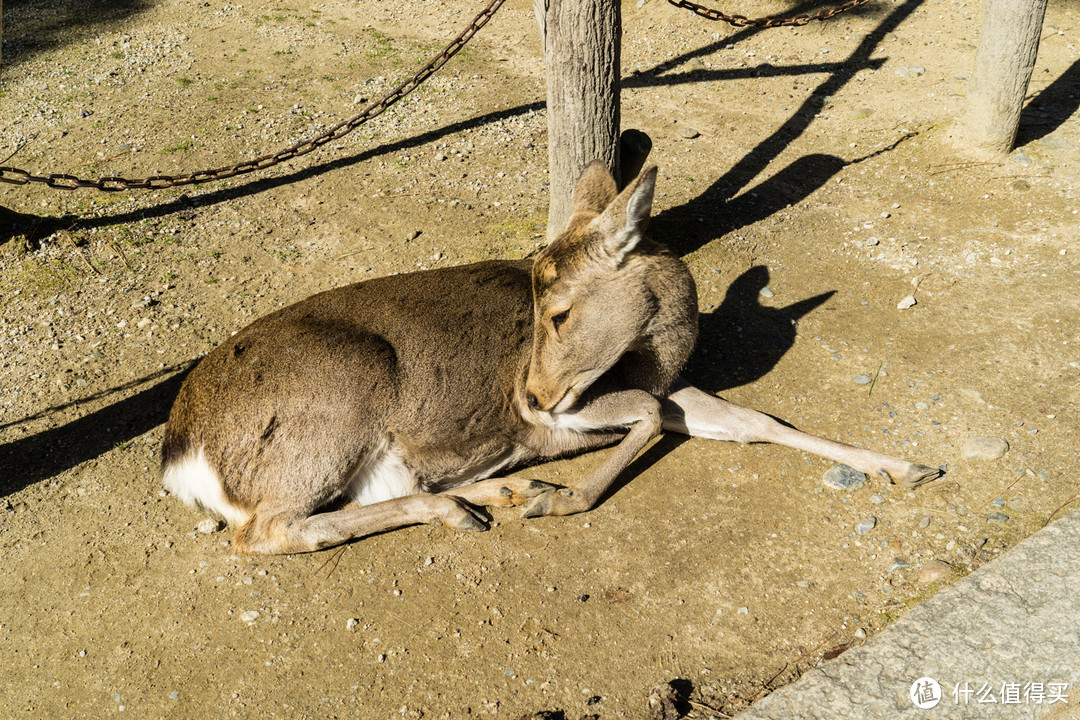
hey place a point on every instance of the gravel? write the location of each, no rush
(984, 448)
(842, 477)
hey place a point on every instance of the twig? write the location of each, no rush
(400, 620)
(1059, 507)
(1004, 490)
(336, 557)
(926, 509)
(422, 192)
(874, 381)
(709, 709)
(16, 151)
(1013, 177)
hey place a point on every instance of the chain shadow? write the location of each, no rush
(1056, 103)
(37, 457)
(32, 29)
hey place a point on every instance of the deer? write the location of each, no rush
(399, 400)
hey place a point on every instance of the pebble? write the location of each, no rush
(984, 448)
(744, 611)
(860, 633)
(766, 292)
(934, 570)
(877, 499)
(915, 70)
(688, 132)
(898, 565)
(208, 526)
(351, 623)
(998, 517)
(924, 522)
(249, 615)
(412, 235)
(998, 502)
(868, 524)
(861, 379)
(906, 303)
(174, 694)
(871, 242)
(842, 477)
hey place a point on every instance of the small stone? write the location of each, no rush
(877, 499)
(766, 292)
(381, 658)
(867, 524)
(249, 615)
(142, 323)
(744, 611)
(440, 156)
(924, 522)
(860, 633)
(1016, 504)
(412, 235)
(898, 565)
(984, 448)
(174, 694)
(429, 561)
(998, 517)
(351, 623)
(871, 242)
(861, 379)
(934, 570)
(906, 303)
(842, 477)
(208, 526)
(998, 502)
(688, 132)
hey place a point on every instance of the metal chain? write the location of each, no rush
(765, 22)
(114, 184)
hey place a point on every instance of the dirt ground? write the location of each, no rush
(806, 179)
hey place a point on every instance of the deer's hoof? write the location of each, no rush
(914, 475)
(555, 502)
(463, 518)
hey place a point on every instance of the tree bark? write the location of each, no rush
(1003, 64)
(581, 41)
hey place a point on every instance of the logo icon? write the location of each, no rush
(925, 693)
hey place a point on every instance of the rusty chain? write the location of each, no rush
(765, 22)
(157, 182)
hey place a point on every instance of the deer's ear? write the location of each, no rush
(595, 189)
(622, 224)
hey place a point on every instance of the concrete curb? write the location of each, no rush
(1015, 620)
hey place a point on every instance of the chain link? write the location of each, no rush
(765, 22)
(16, 176)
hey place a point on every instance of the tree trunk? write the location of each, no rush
(1003, 65)
(581, 61)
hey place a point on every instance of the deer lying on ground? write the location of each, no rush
(393, 401)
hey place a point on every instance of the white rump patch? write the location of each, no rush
(382, 475)
(195, 482)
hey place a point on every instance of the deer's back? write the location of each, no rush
(425, 360)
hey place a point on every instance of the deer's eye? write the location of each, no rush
(558, 319)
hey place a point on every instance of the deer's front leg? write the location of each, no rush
(634, 409)
(694, 412)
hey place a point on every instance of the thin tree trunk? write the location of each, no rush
(581, 61)
(1003, 65)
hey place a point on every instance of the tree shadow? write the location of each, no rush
(32, 27)
(37, 457)
(1049, 110)
(740, 342)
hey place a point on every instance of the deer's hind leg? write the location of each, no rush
(694, 412)
(281, 530)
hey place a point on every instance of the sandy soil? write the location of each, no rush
(806, 180)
